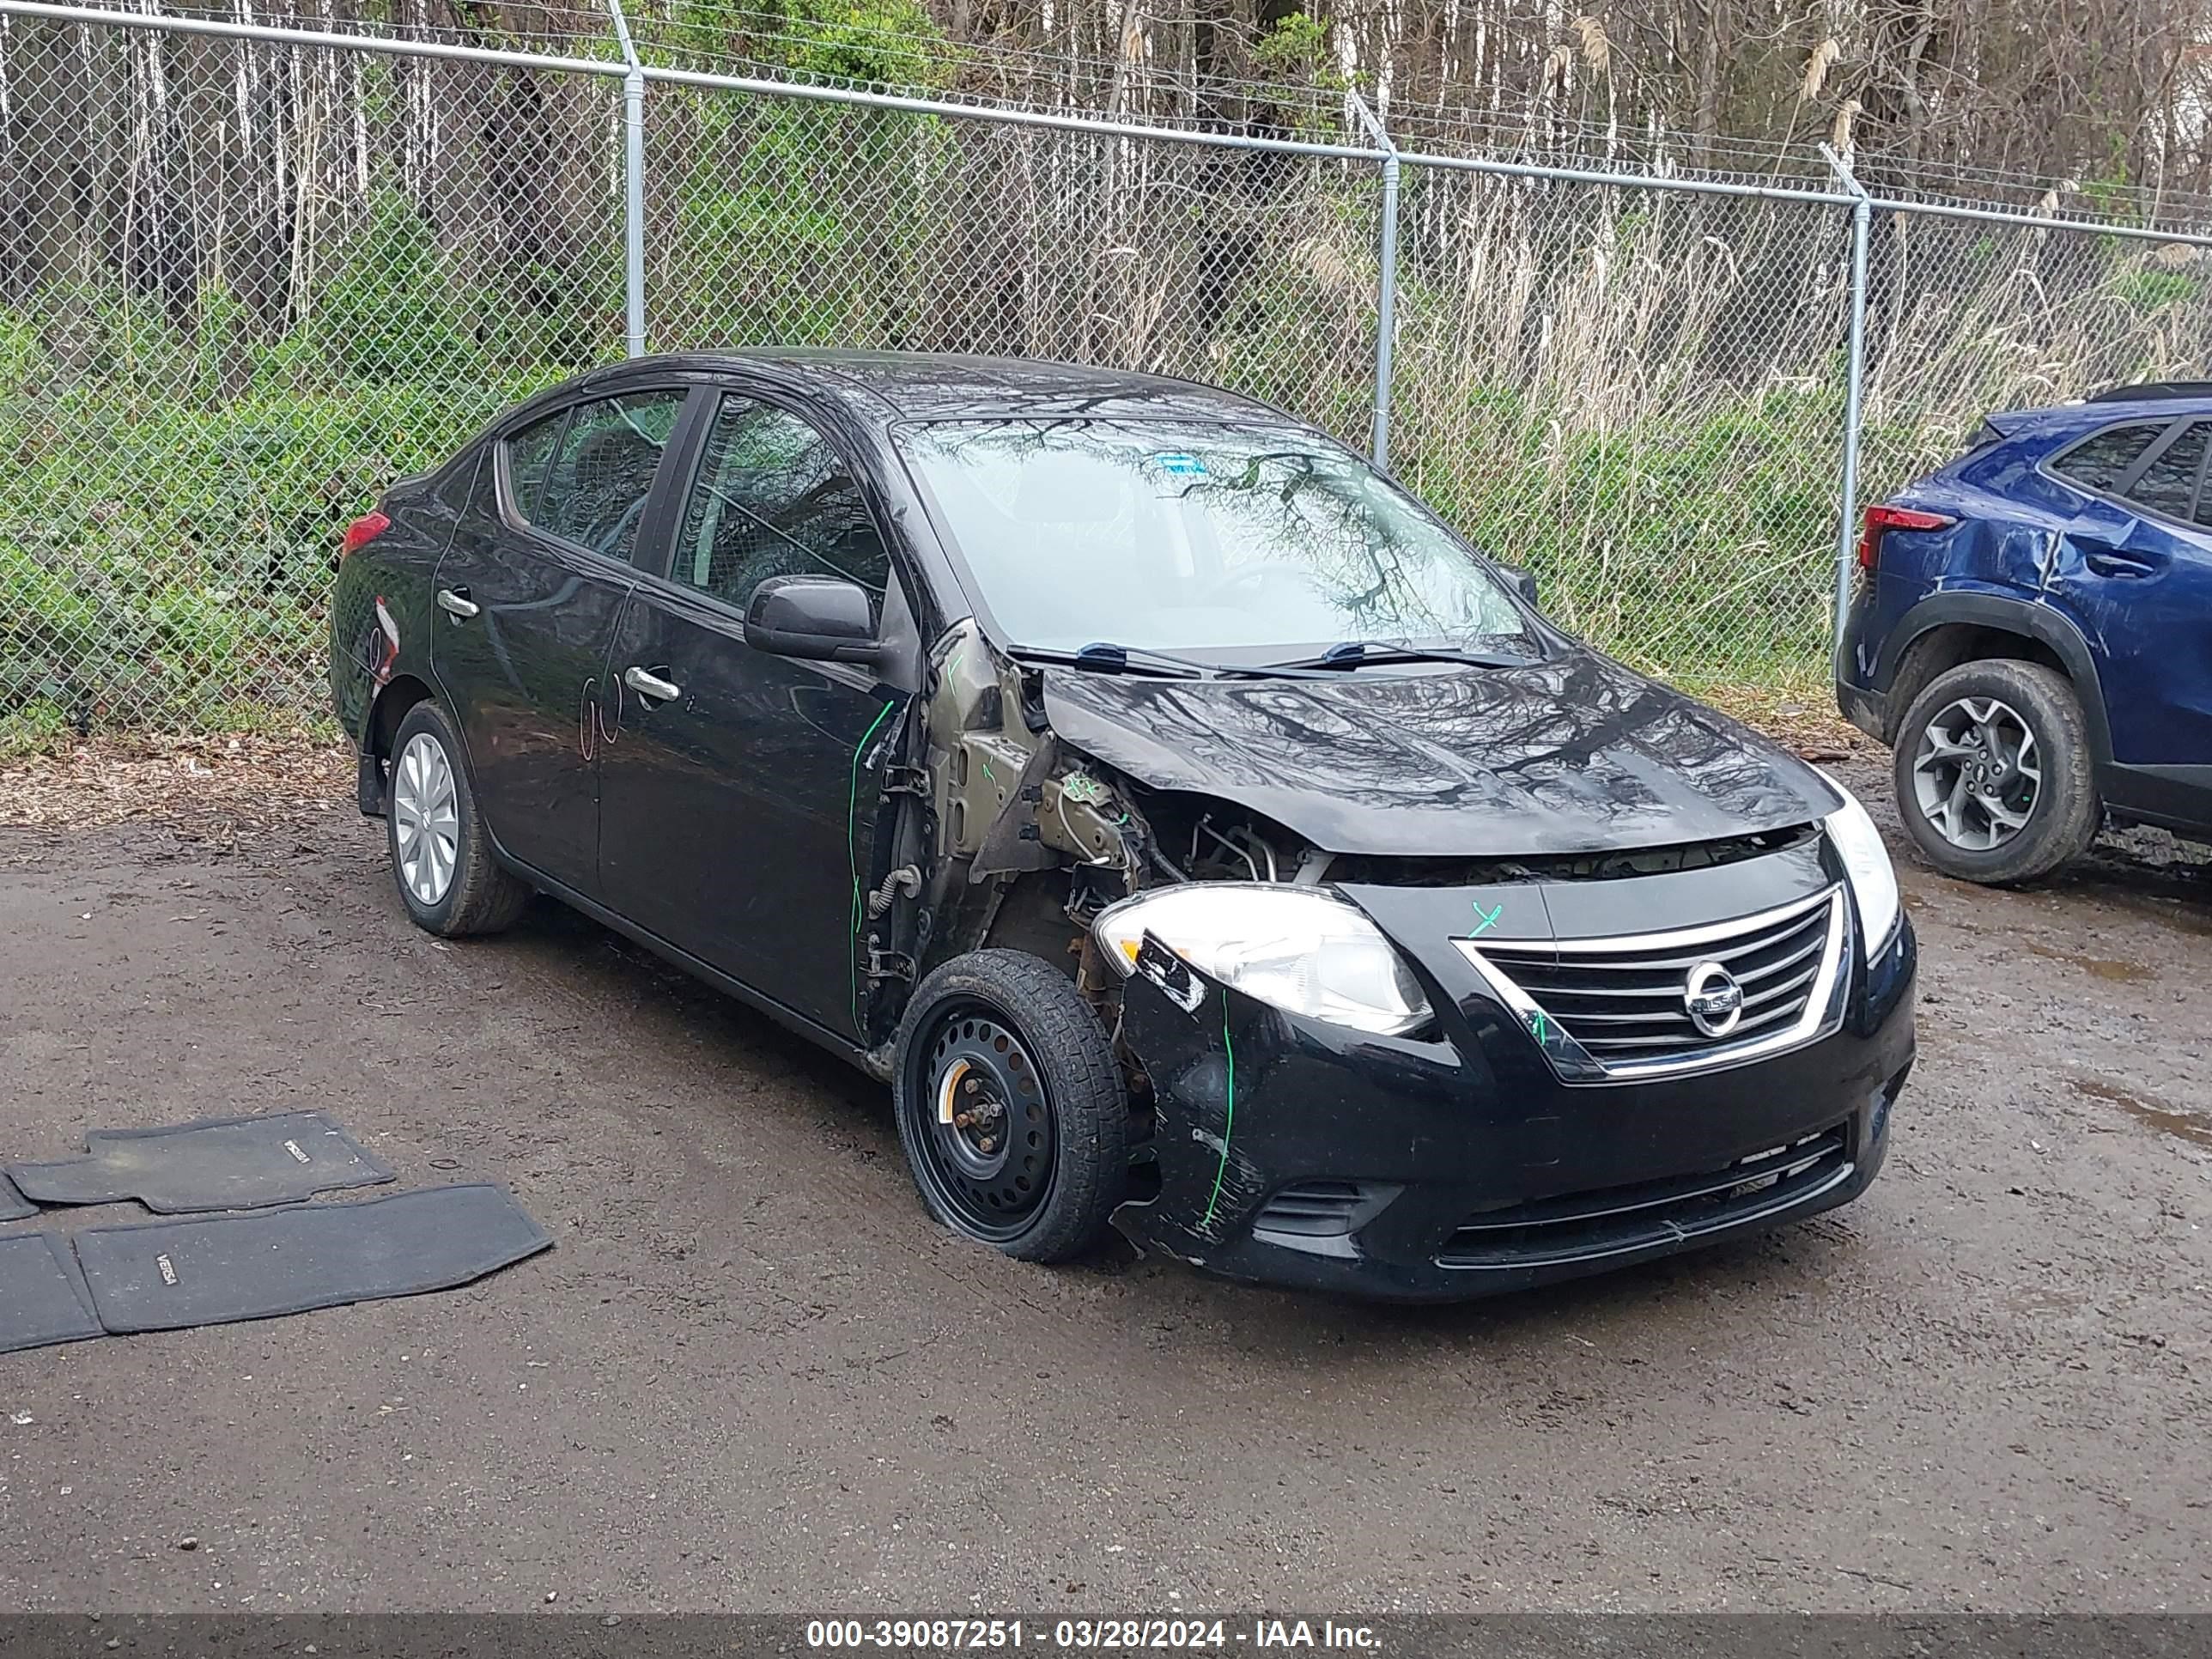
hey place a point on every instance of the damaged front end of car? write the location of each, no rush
(998, 833)
(1415, 1067)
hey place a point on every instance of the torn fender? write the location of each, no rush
(1249, 1098)
(1184, 1027)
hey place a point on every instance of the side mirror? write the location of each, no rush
(1524, 583)
(824, 618)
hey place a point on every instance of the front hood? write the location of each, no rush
(1574, 755)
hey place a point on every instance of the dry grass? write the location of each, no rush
(1806, 726)
(213, 790)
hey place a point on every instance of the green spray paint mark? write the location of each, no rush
(1487, 922)
(1229, 1124)
(852, 855)
(987, 778)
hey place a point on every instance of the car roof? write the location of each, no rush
(2150, 392)
(937, 385)
(2157, 400)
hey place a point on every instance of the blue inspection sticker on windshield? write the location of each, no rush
(1180, 465)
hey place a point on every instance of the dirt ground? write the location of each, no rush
(752, 1376)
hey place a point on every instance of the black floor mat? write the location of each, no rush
(216, 1163)
(42, 1294)
(165, 1275)
(13, 1206)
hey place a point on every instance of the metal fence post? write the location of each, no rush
(1386, 293)
(1854, 388)
(633, 188)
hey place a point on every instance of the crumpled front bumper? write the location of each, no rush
(1478, 1171)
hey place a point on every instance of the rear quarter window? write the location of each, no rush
(2168, 485)
(2100, 462)
(529, 453)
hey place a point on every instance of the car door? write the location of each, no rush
(529, 591)
(2135, 573)
(734, 817)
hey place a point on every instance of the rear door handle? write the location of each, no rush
(646, 683)
(456, 602)
(2116, 561)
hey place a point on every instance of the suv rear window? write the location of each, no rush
(2168, 485)
(2099, 463)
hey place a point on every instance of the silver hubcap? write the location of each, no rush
(425, 817)
(1977, 775)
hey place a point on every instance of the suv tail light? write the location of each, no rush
(361, 532)
(1879, 519)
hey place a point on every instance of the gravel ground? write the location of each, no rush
(753, 1377)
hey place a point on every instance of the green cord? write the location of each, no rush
(1229, 1124)
(853, 856)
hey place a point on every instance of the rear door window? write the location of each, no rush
(589, 484)
(2102, 461)
(2168, 483)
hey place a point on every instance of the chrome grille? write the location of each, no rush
(1617, 1007)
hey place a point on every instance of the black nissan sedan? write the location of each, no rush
(1199, 836)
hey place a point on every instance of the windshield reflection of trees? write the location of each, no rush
(1385, 569)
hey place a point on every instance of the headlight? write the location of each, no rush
(1866, 862)
(1296, 947)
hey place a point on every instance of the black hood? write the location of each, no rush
(1572, 755)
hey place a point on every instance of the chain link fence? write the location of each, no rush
(1639, 394)
(249, 276)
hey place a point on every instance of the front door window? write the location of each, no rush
(773, 499)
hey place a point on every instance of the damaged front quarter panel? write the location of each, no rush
(1002, 803)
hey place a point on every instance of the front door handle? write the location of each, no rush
(646, 683)
(456, 602)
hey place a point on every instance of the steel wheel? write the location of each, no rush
(426, 818)
(1977, 775)
(987, 1144)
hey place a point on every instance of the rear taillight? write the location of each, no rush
(361, 532)
(1880, 519)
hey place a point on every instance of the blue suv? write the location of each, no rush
(2031, 633)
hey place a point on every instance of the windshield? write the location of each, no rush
(1195, 538)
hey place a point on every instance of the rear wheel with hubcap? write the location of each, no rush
(1011, 1108)
(1995, 778)
(441, 859)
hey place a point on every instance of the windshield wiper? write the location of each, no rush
(1102, 657)
(1366, 653)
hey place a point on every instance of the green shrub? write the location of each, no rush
(183, 578)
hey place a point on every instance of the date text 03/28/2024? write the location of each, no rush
(1086, 1634)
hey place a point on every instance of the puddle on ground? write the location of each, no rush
(2192, 1127)
(2126, 973)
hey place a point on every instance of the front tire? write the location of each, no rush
(1996, 781)
(441, 858)
(1010, 1109)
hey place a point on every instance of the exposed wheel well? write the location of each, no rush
(1033, 918)
(1947, 645)
(390, 707)
(392, 704)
